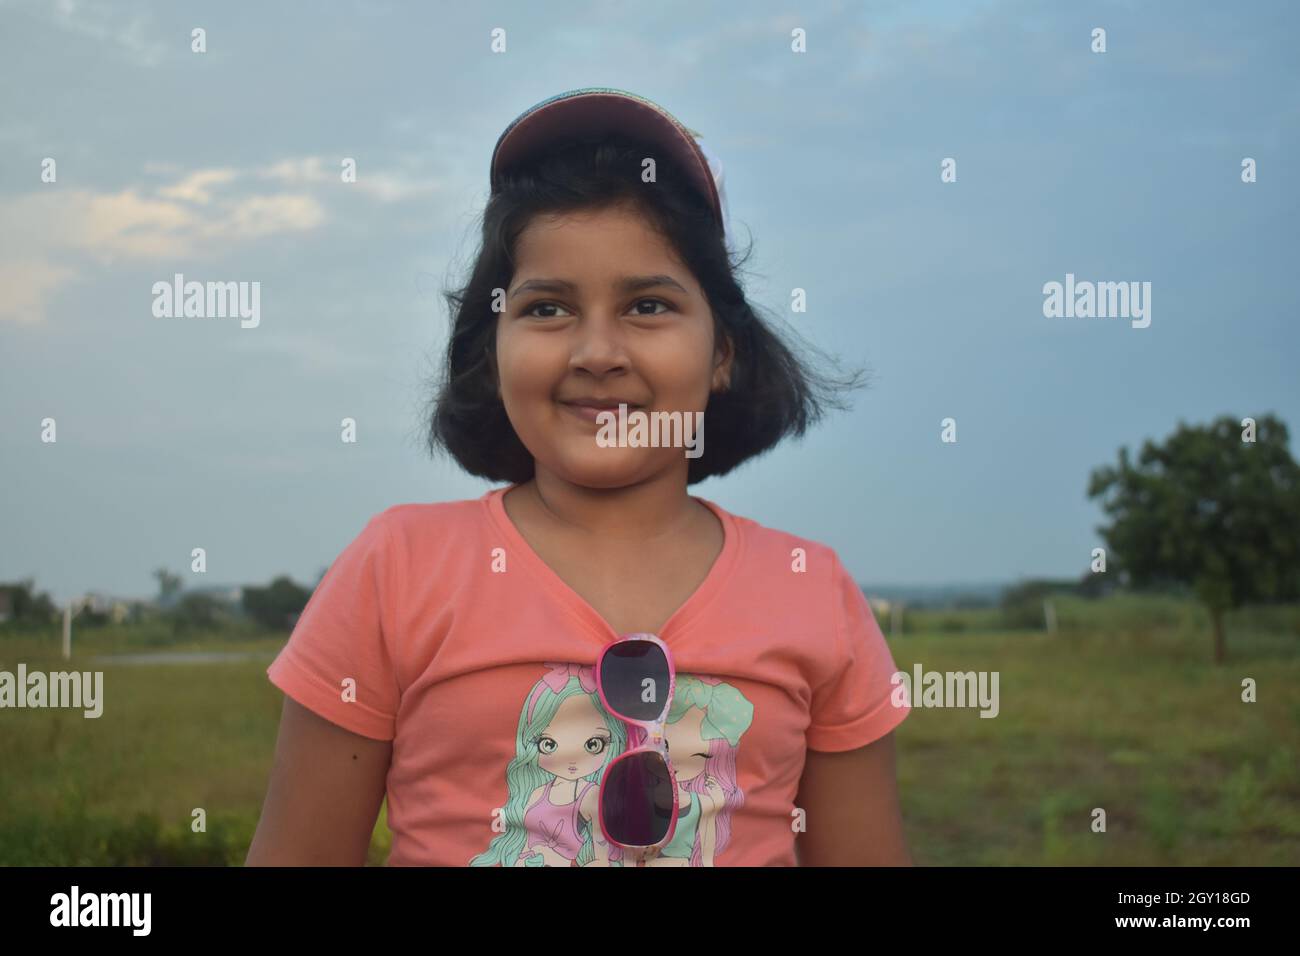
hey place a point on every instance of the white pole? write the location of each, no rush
(67, 631)
(1049, 612)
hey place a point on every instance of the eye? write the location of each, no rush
(547, 745)
(532, 309)
(667, 307)
(595, 745)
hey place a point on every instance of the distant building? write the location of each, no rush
(117, 609)
(229, 595)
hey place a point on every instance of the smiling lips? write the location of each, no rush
(588, 408)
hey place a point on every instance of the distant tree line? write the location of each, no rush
(1022, 603)
(274, 607)
(278, 604)
(20, 603)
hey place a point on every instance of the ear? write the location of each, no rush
(496, 375)
(723, 356)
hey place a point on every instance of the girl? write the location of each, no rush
(445, 660)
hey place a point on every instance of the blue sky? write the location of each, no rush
(1122, 166)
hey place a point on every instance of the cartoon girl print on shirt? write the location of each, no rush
(705, 723)
(564, 741)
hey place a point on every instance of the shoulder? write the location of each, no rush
(426, 523)
(418, 513)
(431, 536)
(766, 546)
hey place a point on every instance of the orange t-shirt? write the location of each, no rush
(440, 629)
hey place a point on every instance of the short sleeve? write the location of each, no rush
(341, 635)
(855, 705)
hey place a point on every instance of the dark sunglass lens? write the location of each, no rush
(637, 796)
(634, 677)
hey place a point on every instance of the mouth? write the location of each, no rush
(589, 412)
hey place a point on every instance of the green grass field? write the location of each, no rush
(1121, 709)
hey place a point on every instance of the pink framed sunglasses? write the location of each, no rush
(635, 678)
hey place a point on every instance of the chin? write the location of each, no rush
(597, 469)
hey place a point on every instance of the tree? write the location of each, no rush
(1093, 585)
(278, 605)
(197, 612)
(1209, 510)
(26, 605)
(168, 584)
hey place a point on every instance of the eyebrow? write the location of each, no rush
(626, 284)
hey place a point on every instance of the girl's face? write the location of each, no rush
(600, 306)
(687, 748)
(575, 741)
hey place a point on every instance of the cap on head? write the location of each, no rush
(601, 109)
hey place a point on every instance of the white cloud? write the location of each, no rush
(53, 236)
(107, 25)
(385, 186)
(126, 224)
(195, 187)
(259, 216)
(25, 284)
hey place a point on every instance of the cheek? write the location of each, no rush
(529, 365)
(681, 367)
(516, 371)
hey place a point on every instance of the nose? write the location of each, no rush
(598, 345)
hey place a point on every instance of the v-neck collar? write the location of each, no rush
(678, 621)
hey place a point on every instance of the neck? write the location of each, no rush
(655, 509)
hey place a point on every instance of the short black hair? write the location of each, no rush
(773, 391)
